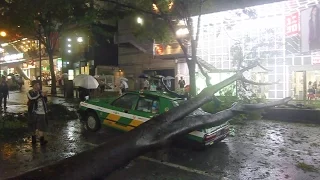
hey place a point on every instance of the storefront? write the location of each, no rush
(289, 58)
(9, 63)
(32, 69)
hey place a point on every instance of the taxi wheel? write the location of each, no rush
(92, 122)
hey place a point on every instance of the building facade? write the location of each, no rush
(275, 37)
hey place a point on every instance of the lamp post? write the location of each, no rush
(40, 58)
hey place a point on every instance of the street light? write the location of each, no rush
(182, 32)
(80, 39)
(69, 39)
(139, 20)
(3, 34)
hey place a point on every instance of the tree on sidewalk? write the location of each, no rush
(151, 135)
(45, 20)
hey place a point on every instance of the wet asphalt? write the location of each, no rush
(259, 149)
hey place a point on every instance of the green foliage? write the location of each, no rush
(152, 28)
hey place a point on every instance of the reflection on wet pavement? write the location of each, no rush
(259, 150)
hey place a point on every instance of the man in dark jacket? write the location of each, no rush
(4, 93)
(37, 111)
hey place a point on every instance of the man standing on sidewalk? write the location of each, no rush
(37, 110)
(4, 93)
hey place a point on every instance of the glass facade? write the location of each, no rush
(221, 32)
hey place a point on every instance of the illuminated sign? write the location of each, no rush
(292, 24)
(173, 49)
(12, 57)
(315, 59)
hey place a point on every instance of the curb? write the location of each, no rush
(293, 115)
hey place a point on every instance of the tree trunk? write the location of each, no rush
(192, 69)
(53, 75)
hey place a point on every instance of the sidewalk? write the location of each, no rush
(20, 98)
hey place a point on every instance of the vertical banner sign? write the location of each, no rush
(292, 34)
(292, 24)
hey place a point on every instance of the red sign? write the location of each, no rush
(315, 60)
(292, 24)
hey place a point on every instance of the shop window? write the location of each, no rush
(280, 86)
(297, 61)
(226, 65)
(289, 61)
(280, 94)
(271, 62)
(271, 95)
(279, 61)
(280, 69)
(307, 60)
(148, 105)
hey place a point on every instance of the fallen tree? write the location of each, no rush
(152, 135)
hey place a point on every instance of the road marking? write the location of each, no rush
(181, 167)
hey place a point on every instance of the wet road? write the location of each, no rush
(259, 150)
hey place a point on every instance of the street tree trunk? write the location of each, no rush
(53, 75)
(192, 69)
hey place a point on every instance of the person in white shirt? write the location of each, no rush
(146, 84)
(37, 111)
(123, 86)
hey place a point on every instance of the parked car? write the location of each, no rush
(134, 108)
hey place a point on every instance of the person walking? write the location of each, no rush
(4, 93)
(102, 85)
(182, 83)
(123, 86)
(37, 111)
(146, 84)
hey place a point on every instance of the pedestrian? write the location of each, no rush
(37, 111)
(83, 93)
(146, 84)
(181, 83)
(4, 93)
(102, 86)
(311, 91)
(123, 86)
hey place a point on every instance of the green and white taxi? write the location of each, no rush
(134, 108)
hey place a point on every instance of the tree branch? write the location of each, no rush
(256, 83)
(192, 123)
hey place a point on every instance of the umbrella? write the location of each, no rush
(168, 78)
(123, 79)
(79, 77)
(158, 76)
(143, 76)
(86, 81)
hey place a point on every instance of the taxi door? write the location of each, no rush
(148, 107)
(122, 109)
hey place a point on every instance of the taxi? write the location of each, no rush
(134, 108)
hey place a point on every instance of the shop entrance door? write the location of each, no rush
(301, 81)
(299, 85)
